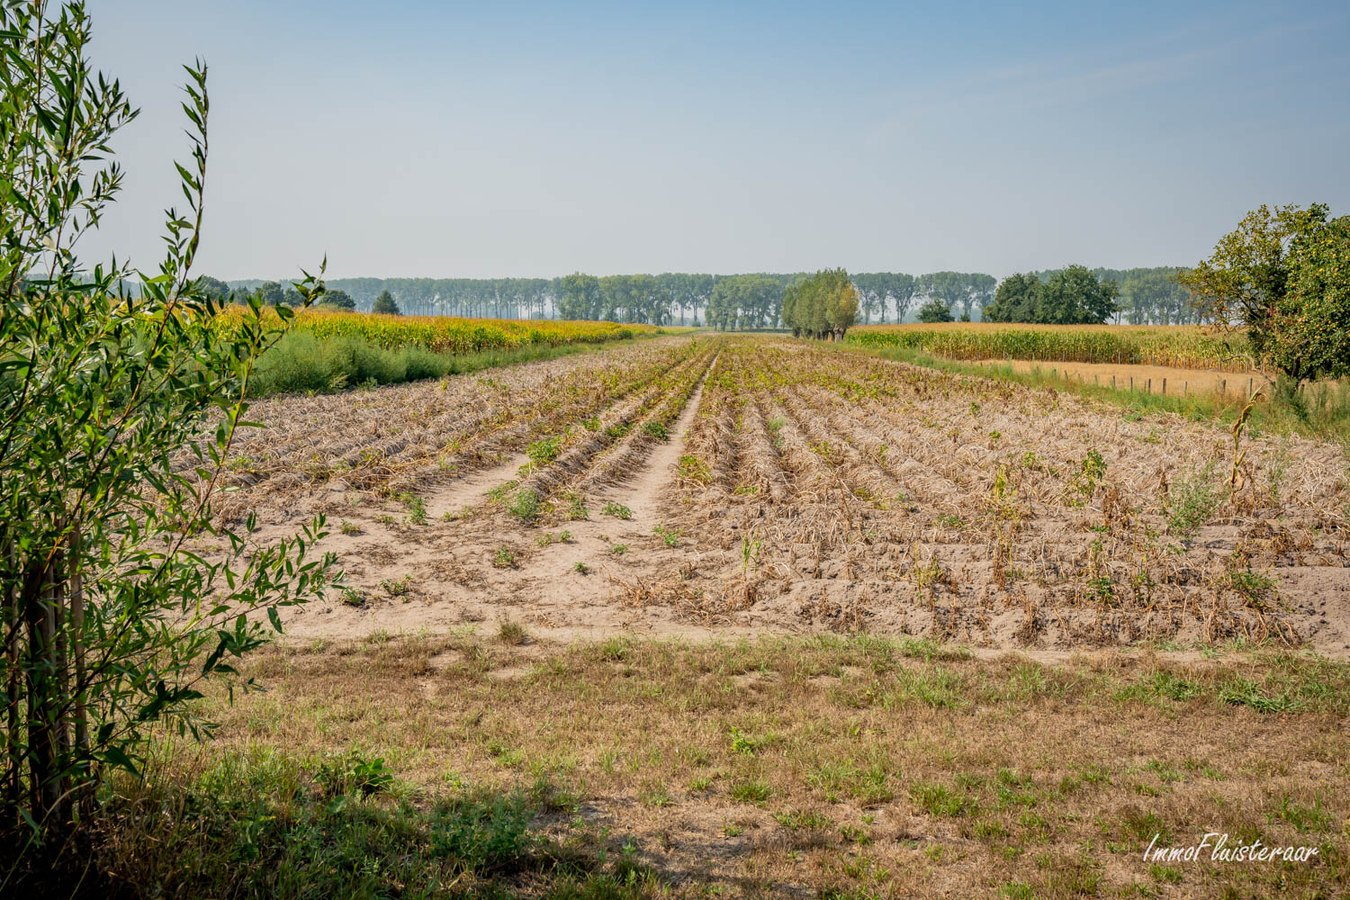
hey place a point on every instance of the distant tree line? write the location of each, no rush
(1156, 296)
(729, 302)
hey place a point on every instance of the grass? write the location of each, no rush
(301, 362)
(260, 824)
(512, 633)
(844, 766)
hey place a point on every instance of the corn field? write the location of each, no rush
(442, 334)
(1179, 346)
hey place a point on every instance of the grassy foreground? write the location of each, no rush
(472, 764)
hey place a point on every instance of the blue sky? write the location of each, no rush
(536, 139)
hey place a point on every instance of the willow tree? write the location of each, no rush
(117, 413)
(823, 305)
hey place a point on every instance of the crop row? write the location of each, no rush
(1181, 346)
(398, 438)
(853, 492)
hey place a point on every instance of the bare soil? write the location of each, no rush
(1174, 382)
(799, 489)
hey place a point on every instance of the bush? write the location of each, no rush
(385, 305)
(99, 397)
(934, 311)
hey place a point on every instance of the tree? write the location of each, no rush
(823, 305)
(581, 297)
(1070, 296)
(1245, 280)
(117, 416)
(1075, 296)
(213, 287)
(744, 301)
(385, 305)
(272, 293)
(1310, 328)
(1155, 296)
(841, 307)
(935, 310)
(877, 288)
(1015, 300)
(338, 300)
(963, 289)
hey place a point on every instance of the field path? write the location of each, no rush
(472, 488)
(642, 493)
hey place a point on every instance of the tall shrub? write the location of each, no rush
(117, 412)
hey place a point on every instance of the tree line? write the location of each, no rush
(729, 302)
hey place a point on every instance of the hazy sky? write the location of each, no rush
(535, 139)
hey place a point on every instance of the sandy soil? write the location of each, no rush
(798, 489)
(1146, 379)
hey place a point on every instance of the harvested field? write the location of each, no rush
(697, 484)
(1147, 379)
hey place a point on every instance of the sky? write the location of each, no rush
(485, 139)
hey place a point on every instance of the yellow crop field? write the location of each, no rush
(1177, 346)
(444, 334)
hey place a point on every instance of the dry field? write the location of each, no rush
(1149, 379)
(696, 483)
(758, 617)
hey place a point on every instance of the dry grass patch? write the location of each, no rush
(868, 766)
